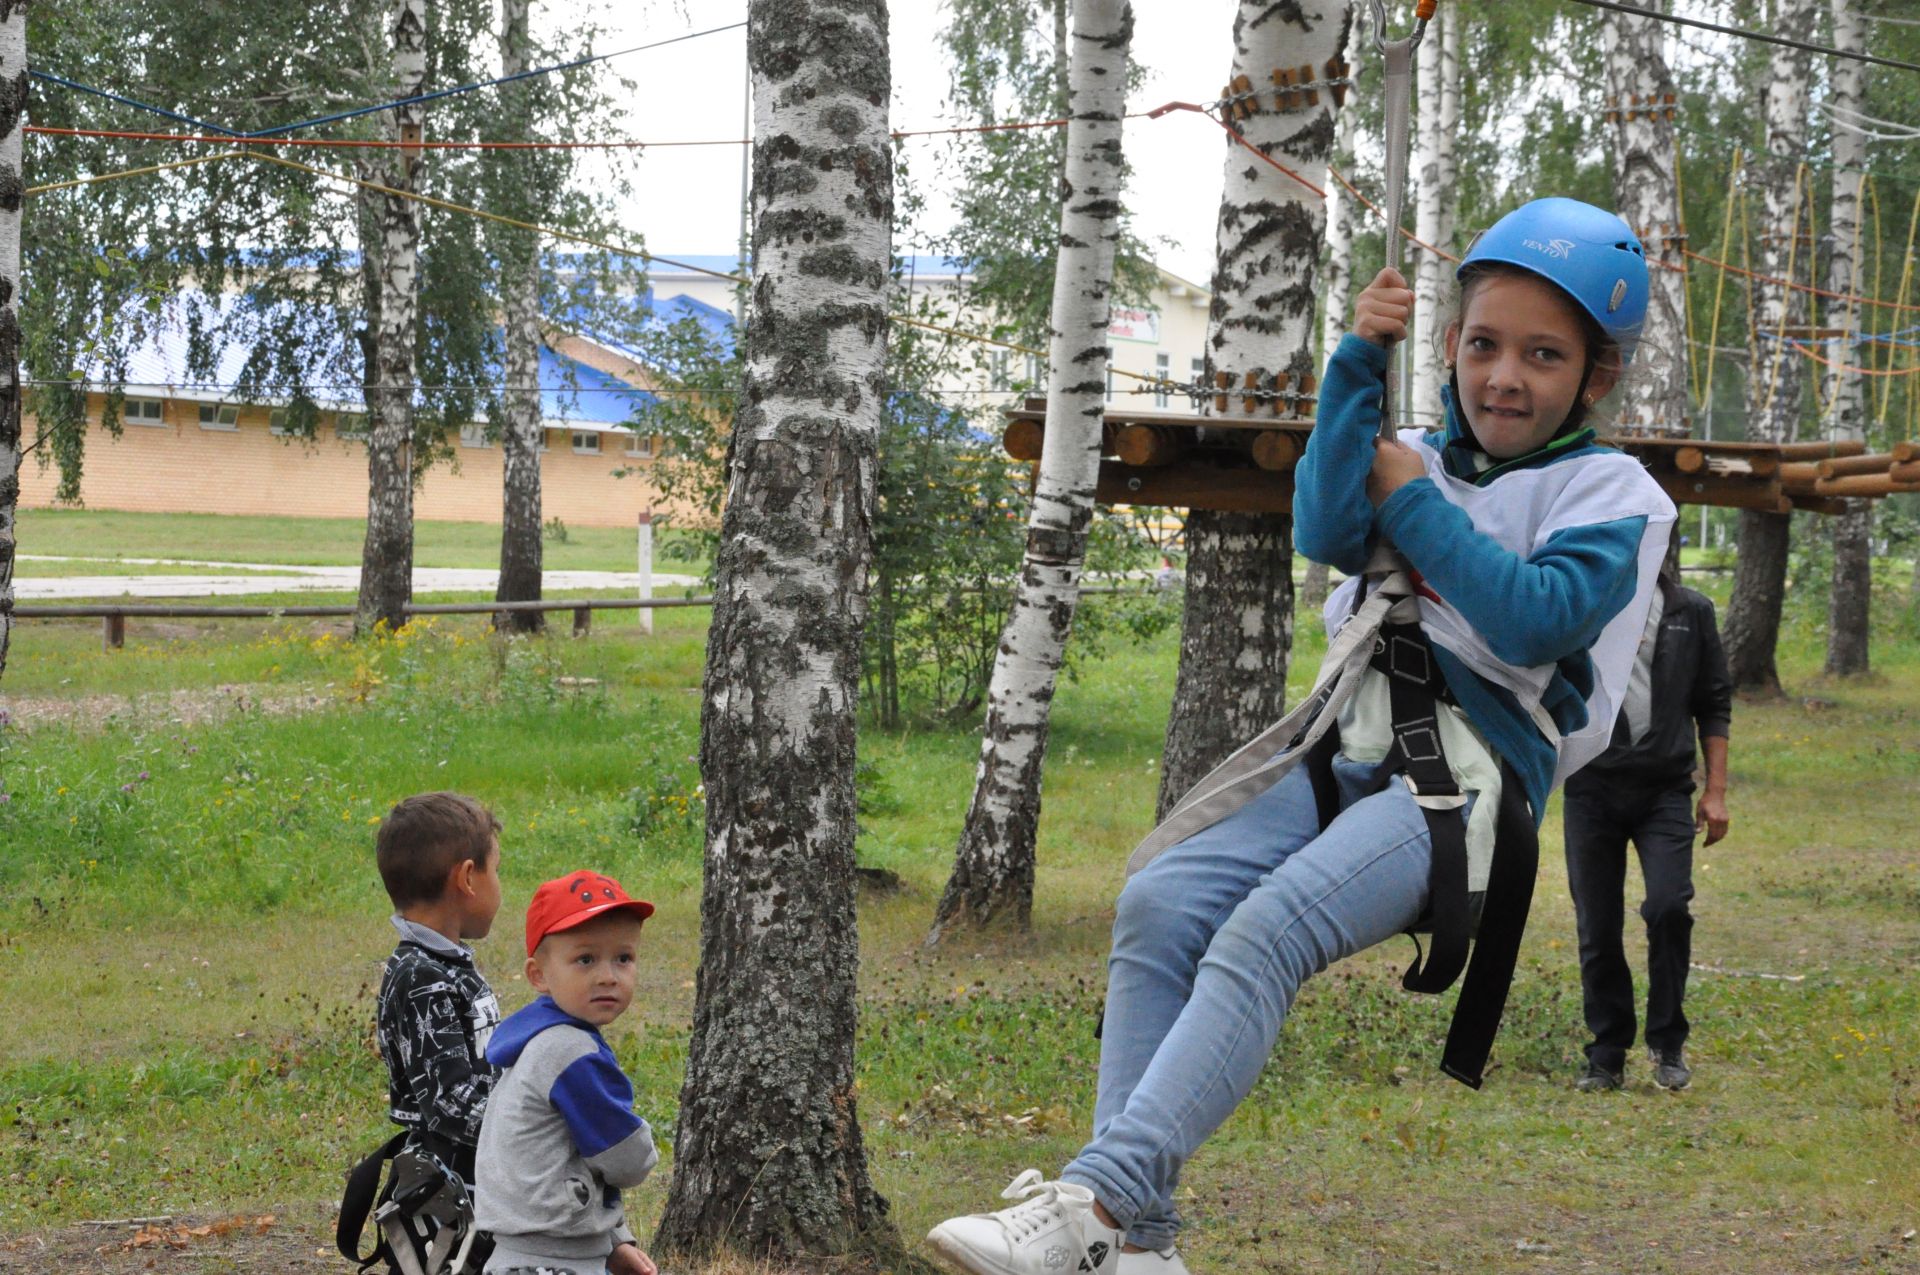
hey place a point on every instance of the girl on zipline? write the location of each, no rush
(1464, 679)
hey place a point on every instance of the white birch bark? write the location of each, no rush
(1437, 116)
(1342, 210)
(1774, 380)
(13, 116)
(1654, 398)
(1237, 628)
(386, 564)
(994, 862)
(769, 1159)
(521, 549)
(1842, 391)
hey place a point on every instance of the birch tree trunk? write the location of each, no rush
(1849, 604)
(13, 116)
(386, 562)
(1342, 211)
(520, 431)
(1437, 116)
(1773, 382)
(1654, 399)
(1237, 628)
(769, 1159)
(994, 862)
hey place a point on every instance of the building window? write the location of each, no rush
(143, 411)
(474, 435)
(1002, 374)
(1109, 382)
(222, 416)
(351, 425)
(1162, 368)
(640, 445)
(277, 422)
(1036, 375)
(1199, 381)
(586, 442)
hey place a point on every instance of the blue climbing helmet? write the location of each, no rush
(1592, 255)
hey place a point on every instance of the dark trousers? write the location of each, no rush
(1601, 817)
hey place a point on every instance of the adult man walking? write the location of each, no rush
(1640, 789)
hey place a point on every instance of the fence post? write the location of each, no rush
(582, 621)
(113, 631)
(646, 570)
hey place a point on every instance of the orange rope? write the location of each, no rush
(1844, 367)
(1800, 287)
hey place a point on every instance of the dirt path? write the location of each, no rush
(194, 707)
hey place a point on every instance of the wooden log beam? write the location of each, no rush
(1149, 446)
(1278, 450)
(1904, 452)
(1817, 504)
(1905, 472)
(1726, 492)
(1799, 473)
(1863, 485)
(1689, 460)
(1730, 467)
(1190, 485)
(1821, 451)
(1023, 438)
(1848, 466)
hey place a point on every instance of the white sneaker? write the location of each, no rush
(1054, 1231)
(1163, 1262)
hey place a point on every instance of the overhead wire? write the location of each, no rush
(1744, 34)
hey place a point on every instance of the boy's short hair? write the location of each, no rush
(425, 837)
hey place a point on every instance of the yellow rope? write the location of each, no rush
(1720, 280)
(1906, 278)
(1786, 298)
(1686, 275)
(131, 172)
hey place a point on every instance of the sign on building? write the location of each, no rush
(1130, 323)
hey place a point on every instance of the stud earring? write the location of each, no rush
(1588, 400)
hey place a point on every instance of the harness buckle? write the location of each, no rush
(1435, 799)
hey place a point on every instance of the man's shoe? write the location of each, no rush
(1670, 1070)
(1053, 1231)
(1597, 1079)
(1162, 1262)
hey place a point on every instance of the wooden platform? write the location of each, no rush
(1244, 463)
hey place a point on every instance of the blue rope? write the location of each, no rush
(63, 82)
(164, 113)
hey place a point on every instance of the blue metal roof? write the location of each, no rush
(157, 366)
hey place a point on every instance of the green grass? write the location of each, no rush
(88, 533)
(190, 931)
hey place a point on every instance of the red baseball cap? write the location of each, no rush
(575, 899)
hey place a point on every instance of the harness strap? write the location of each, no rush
(1483, 995)
(363, 1184)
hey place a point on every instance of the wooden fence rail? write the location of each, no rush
(113, 615)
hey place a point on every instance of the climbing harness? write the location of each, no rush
(1397, 56)
(424, 1216)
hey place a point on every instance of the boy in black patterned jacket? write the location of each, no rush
(439, 856)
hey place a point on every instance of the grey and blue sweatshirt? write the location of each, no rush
(559, 1141)
(1534, 575)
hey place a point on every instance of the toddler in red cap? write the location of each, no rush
(560, 1138)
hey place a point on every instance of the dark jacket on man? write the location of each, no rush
(1686, 652)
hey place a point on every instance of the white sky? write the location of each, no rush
(688, 198)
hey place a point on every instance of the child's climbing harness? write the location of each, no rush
(424, 1215)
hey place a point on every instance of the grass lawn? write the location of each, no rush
(88, 533)
(191, 931)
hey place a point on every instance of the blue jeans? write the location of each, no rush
(1211, 941)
